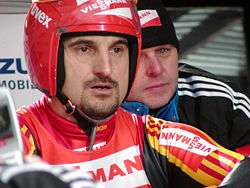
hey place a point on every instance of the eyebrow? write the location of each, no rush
(90, 42)
(121, 41)
(80, 41)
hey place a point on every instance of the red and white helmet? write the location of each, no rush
(48, 20)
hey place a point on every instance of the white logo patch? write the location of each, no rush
(121, 12)
(147, 16)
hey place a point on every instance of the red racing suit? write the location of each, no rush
(131, 150)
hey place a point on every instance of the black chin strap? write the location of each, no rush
(87, 124)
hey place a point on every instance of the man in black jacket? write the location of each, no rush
(179, 92)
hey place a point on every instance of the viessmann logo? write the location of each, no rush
(100, 4)
(40, 16)
(183, 139)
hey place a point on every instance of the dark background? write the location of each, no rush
(243, 78)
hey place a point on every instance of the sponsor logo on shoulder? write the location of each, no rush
(175, 137)
(40, 16)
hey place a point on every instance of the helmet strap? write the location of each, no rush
(87, 124)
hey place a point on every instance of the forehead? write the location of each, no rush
(96, 39)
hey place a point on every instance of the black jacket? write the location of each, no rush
(213, 106)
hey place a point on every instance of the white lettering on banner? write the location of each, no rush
(147, 16)
(121, 169)
(185, 140)
(101, 4)
(40, 16)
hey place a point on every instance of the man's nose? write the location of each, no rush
(153, 65)
(103, 66)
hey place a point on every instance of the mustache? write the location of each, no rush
(96, 81)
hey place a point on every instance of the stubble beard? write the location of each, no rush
(99, 109)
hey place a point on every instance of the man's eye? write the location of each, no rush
(83, 49)
(117, 50)
(163, 50)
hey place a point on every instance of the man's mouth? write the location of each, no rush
(102, 89)
(102, 86)
(155, 86)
